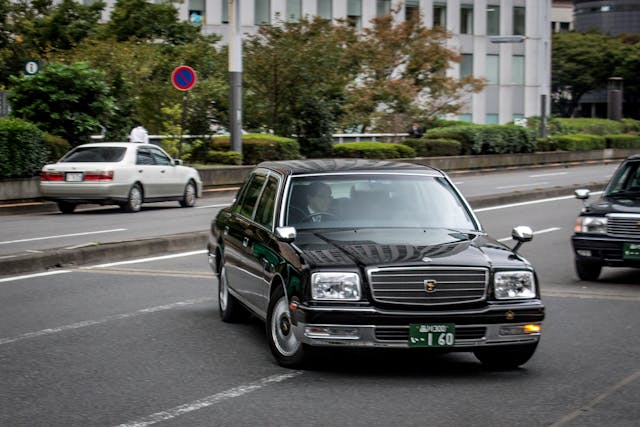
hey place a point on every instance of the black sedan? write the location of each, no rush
(607, 231)
(358, 253)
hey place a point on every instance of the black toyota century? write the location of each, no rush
(362, 253)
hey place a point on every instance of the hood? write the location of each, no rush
(607, 205)
(393, 246)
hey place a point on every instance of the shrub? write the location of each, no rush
(579, 142)
(488, 139)
(434, 147)
(546, 144)
(590, 126)
(623, 141)
(463, 134)
(258, 147)
(631, 125)
(22, 150)
(373, 150)
(56, 147)
(224, 157)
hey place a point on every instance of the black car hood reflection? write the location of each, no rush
(377, 247)
(620, 204)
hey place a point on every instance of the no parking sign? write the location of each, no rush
(183, 77)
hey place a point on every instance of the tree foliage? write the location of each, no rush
(69, 101)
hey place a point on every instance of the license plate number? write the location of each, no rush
(631, 251)
(74, 176)
(432, 335)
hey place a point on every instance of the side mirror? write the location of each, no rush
(521, 234)
(177, 162)
(286, 234)
(582, 193)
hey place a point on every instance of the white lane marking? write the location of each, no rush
(8, 256)
(63, 235)
(459, 182)
(31, 276)
(210, 400)
(521, 185)
(213, 206)
(87, 323)
(136, 261)
(586, 408)
(531, 202)
(548, 174)
(546, 230)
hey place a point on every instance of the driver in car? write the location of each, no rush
(318, 202)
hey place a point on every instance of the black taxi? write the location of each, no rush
(364, 253)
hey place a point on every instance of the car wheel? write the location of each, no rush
(506, 357)
(230, 309)
(588, 270)
(285, 346)
(66, 207)
(189, 197)
(134, 201)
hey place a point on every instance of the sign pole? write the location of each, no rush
(183, 78)
(185, 100)
(235, 75)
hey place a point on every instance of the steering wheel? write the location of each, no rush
(319, 214)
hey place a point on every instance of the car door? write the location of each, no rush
(147, 172)
(171, 182)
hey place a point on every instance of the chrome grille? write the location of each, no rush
(627, 225)
(452, 285)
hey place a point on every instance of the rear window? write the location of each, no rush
(95, 154)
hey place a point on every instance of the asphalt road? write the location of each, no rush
(141, 344)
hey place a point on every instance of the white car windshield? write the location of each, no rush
(94, 154)
(385, 200)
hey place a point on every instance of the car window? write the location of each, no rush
(267, 203)
(627, 180)
(95, 154)
(144, 157)
(246, 205)
(160, 158)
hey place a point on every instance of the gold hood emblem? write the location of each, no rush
(430, 285)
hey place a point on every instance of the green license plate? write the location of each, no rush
(631, 251)
(432, 335)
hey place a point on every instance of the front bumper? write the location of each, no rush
(603, 250)
(495, 325)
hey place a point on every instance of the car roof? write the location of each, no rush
(312, 166)
(115, 144)
(634, 157)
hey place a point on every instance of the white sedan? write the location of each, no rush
(122, 173)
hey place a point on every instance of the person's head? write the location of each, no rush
(319, 196)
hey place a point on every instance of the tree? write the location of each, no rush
(69, 101)
(403, 76)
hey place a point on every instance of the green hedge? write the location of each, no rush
(22, 151)
(257, 147)
(622, 141)
(56, 147)
(433, 147)
(373, 150)
(488, 139)
(590, 126)
(579, 142)
(224, 157)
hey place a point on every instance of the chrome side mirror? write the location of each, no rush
(521, 234)
(286, 234)
(582, 193)
(177, 162)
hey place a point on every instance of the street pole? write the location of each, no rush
(235, 75)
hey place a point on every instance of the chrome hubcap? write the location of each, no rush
(223, 293)
(281, 330)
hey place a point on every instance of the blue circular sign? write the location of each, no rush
(183, 77)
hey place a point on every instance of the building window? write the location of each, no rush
(491, 119)
(493, 69)
(517, 70)
(197, 10)
(465, 118)
(518, 21)
(466, 66)
(439, 15)
(262, 9)
(412, 9)
(354, 13)
(325, 9)
(466, 19)
(383, 7)
(565, 26)
(493, 20)
(294, 10)
(225, 12)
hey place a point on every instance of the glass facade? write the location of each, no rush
(262, 12)
(466, 19)
(294, 10)
(519, 21)
(493, 20)
(466, 66)
(439, 15)
(383, 7)
(517, 69)
(493, 69)
(354, 13)
(325, 9)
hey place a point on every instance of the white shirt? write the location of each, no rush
(139, 134)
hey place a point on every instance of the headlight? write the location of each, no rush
(591, 224)
(514, 285)
(335, 286)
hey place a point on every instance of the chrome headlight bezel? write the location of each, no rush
(513, 285)
(591, 224)
(336, 286)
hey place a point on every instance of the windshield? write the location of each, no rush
(94, 154)
(626, 181)
(358, 200)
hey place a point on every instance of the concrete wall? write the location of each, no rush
(230, 176)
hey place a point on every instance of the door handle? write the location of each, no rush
(162, 171)
(245, 242)
(140, 171)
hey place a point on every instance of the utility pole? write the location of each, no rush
(235, 75)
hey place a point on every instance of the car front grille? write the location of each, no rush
(401, 333)
(624, 225)
(428, 286)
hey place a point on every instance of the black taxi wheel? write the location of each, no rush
(285, 346)
(588, 270)
(230, 309)
(506, 357)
